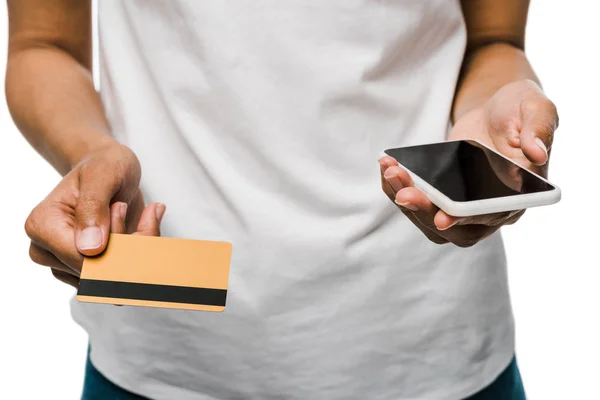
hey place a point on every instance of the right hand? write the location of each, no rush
(99, 196)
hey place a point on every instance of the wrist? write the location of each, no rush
(486, 69)
(78, 152)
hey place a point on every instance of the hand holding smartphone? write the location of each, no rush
(467, 178)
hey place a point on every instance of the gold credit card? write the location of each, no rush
(154, 271)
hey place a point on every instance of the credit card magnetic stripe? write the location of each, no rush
(152, 292)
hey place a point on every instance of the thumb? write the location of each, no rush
(92, 209)
(149, 224)
(539, 121)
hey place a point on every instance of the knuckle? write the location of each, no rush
(512, 220)
(549, 106)
(437, 239)
(431, 235)
(537, 104)
(547, 112)
(30, 226)
(149, 232)
(61, 275)
(499, 219)
(32, 223)
(531, 106)
(467, 242)
(546, 131)
(36, 255)
(475, 236)
(553, 111)
(467, 221)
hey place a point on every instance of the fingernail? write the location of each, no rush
(448, 227)
(90, 238)
(160, 211)
(542, 146)
(410, 206)
(387, 174)
(123, 211)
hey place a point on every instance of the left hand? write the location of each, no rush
(518, 121)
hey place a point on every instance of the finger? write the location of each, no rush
(393, 178)
(469, 235)
(387, 188)
(48, 228)
(539, 121)
(425, 212)
(417, 202)
(92, 211)
(43, 257)
(445, 221)
(134, 212)
(432, 235)
(398, 178)
(467, 232)
(118, 214)
(514, 218)
(66, 278)
(386, 161)
(420, 210)
(149, 224)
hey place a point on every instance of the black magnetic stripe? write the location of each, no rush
(151, 292)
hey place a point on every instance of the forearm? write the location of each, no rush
(53, 102)
(486, 70)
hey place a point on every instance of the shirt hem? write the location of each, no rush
(138, 384)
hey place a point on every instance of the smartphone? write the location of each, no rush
(466, 178)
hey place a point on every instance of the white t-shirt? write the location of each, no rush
(260, 123)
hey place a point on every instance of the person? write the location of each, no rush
(261, 124)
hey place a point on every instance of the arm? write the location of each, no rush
(49, 87)
(495, 53)
(51, 96)
(499, 102)
(498, 98)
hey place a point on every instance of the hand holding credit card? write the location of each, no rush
(155, 271)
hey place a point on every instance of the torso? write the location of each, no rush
(260, 123)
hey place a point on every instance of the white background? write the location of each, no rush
(553, 253)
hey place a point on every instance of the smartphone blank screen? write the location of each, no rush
(467, 171)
